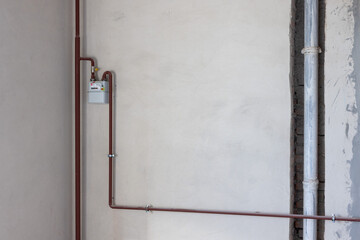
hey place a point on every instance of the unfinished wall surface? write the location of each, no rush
(203, 113)
(35, 120)
(298, 116)
(342, 98)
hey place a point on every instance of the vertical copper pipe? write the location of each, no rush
(77, 125)
(111, 154)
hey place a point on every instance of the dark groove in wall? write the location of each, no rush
(297, 76)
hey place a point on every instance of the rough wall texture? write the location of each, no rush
(355, 161)
(342, 124)
(35, 119)
(202, 117)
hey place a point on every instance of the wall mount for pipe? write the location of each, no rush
(311, 50)
(148, 208)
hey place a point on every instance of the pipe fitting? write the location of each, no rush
(148, 208)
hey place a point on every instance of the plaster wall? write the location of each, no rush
(203, 112)
(342, 98)
(35, 119)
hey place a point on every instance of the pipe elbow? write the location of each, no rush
(107, 73)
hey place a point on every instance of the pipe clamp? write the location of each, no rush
(311, 50)
(111, 155)
(148, 208)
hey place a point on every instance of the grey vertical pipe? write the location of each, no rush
(311, 51)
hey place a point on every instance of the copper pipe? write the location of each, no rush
(185, 210)
(111, 156)
(77, 125)
(252, 214)
(88, 59)
(92, 61)
(103, 78)
(77, 143)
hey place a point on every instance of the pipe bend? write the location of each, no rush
(88, 59)
(92, 61)
(107, 73)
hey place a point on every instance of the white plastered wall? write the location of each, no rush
(35, 119)
(203, 112)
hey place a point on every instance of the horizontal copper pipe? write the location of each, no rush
(88, 59)
(185, 210)
(252, 214)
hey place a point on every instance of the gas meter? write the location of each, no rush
(98, 92)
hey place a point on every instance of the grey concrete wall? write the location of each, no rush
(203, 113)
(35, 120)
(341, 117)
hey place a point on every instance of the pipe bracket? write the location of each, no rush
(310, 184)
(148, 208)
(111, 155)
(311, 50)
(333, 218)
